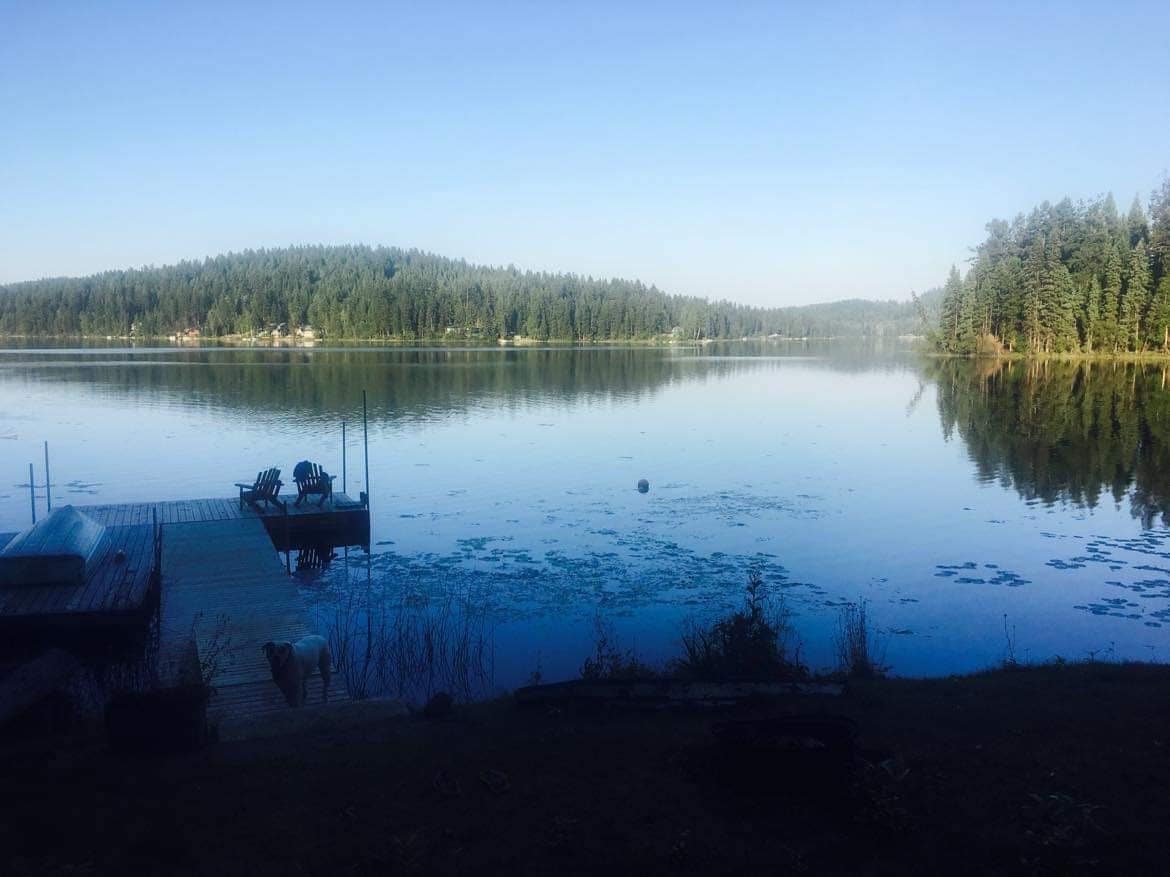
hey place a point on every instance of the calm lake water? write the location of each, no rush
(946, 494)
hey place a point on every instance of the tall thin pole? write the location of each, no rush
(366, 447)
(48, 483)
(32, 493)
(344, 481)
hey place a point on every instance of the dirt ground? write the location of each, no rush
(1057, 769)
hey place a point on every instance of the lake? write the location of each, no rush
(978, 508)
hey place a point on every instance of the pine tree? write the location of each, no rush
(1136, 222)
(1091, 315)
(952, 311)
(1160, 234)
(1111, 300)
(1135, 301)
(1158, 322)
(1058, 300)
(969, 317)
(1034, 280)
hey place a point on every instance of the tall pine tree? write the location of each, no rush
(1136, 222)
(1111, 336)
(1034, 296)
(1158, 322)
(1135, 299)
(1091, 315)
(952, 312)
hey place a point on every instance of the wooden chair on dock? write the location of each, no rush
(311, 478)
(265, 489)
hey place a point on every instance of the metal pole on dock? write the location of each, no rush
(366, 447)
(48, 483)
(344, 481)
(32, 493)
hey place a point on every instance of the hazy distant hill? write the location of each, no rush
(380, 292)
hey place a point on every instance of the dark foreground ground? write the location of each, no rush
(1052, 770)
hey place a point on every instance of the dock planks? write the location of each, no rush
(114, 594)
(224, 581)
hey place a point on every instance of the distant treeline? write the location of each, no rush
(378, 292)
(1066, 278)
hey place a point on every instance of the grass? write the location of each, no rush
(412, 652)
(1010, 661)
(860, 654)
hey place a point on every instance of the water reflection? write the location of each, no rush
(1070, 432)
(320, 385)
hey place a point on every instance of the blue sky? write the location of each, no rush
(770, 153)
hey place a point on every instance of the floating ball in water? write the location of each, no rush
(643, 486)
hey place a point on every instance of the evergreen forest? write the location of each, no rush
(393, 294)
(1066, 278)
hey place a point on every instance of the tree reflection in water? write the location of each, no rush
(1064, 431)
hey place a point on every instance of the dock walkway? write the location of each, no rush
(223, 581)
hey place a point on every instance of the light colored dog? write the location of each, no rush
(293, 663)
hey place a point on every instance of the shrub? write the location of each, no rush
(988, 345)
(608, 661)
(756, 643)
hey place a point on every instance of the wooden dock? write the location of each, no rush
(222, 592)
(224, 584)
(120, 594)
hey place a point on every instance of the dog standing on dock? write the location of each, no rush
(292, 664)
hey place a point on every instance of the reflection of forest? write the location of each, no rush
(1067, 431)
(405, 382)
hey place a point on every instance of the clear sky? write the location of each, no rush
(770, 153)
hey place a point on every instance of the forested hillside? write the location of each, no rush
(368, 292)
(1066, 278)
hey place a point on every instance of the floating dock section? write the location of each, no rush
(72, 572)
(343, 520)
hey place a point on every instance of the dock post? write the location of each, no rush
(366, 447)
(32, 492)
(48, 483)
(344, 481)
(287, 544)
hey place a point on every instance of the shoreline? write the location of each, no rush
(1145, 357)
(436, 341)
(240, 341)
